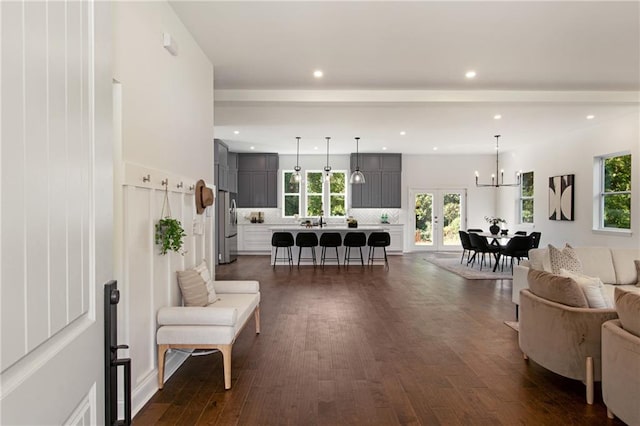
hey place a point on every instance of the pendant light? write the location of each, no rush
(327, 168)
(494, 177)
(357, 177)
(295, 177)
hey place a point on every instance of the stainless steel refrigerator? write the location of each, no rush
(227, 220)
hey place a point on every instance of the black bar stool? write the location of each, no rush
(330, 239)
(354, 239)
(378, 239)
(307, 239)
(285, 240)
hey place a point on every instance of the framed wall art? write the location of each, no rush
(561, 189)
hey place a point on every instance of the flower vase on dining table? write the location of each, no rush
(494, 229)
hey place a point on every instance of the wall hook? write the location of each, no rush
(180, 185)
(192, 187)
(165, 182)
(146, 178)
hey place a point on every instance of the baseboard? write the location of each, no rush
(149, 386)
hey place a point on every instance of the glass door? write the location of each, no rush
(437, 217)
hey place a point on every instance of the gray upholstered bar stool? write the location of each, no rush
(284, 240)
(356, 240)
(307, 239)
(378, 239)
(330, 239)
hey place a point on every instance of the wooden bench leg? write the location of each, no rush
(162, 349)
(589, 374)
(226, 364)
(256, 315)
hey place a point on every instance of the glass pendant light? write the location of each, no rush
(295, 177)
(327, 168)
(357, 177)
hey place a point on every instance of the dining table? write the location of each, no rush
(499, 240)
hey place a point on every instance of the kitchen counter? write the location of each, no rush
(294, 228)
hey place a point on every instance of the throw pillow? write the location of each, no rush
(203, 270)
(628, 307)
(592, 288)
(637, 262)
(558, 289)
(193, 288)
(564, 259)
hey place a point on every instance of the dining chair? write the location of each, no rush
(516, 248)
(482, 246)
(466, 245)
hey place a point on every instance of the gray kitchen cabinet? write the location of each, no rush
(220, 169)
(257, 180)
(232, 179)
(383, 181)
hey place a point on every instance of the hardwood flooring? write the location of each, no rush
(414, 344)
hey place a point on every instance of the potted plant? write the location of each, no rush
(494, 221)
(169, 234)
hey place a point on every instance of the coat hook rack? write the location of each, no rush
(180, 185)
(191, 187)
(146, 178)
(165, 182)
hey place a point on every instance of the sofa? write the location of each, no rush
(615, 267)
(621, 359)
(213, 326)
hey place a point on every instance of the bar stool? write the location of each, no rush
(330, 239)
(285, 240)
(378, 239)
(307, 239)
(354, 239)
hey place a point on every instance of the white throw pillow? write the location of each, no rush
(203, 270)
(564, 259)
(591, 287)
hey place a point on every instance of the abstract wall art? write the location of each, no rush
(561, 197)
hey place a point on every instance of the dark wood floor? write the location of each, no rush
(412, 345)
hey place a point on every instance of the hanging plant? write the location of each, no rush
(169, 234)
(169, 231)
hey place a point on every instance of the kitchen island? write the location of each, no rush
(342, 229)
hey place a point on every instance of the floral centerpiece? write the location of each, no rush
(494, 221)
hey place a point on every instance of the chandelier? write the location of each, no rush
(494, 177)
(327, 168)
(357, 177)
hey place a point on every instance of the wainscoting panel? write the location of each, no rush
(149, 279)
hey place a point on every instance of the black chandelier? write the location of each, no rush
(494, 177)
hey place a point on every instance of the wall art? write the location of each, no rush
(561, 197)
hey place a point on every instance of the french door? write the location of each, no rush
(437, 216)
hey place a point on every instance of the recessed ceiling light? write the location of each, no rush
(435, 148)
(315, 147)
(318, 73)
(402, 133)
(384, 148)
(252, 147)
(497, 117)
(470, 74)
(236, 132)
(590, 117)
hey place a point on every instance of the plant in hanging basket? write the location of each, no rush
(169, 234)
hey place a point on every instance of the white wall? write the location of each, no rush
(574, 154)
(166, 109)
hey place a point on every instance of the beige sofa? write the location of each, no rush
(621, 360)
(615, 267)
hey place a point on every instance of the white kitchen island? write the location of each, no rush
(342, 229)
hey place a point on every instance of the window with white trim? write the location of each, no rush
(614, 198)
(526, 198)
(291, 195)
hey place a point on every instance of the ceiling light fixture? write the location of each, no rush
(384, 148)
(494, 182)
(252, 147)
(318, 74)
(590, 117)
(497, 117)
(470, 74)
(236, 132)
(295, 177)
(435, 148)
(357, 177)
(402, 133)
(327, 168)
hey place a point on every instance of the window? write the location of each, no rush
(315, 195)
(291, 194)
(614, 201)
(526, 198)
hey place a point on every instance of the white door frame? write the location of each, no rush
(438, 244)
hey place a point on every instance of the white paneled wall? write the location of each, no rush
(149, 279)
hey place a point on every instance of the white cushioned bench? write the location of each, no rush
(214, 326)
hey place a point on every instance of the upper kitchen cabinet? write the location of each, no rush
(221, 167)
(232, 163)
(257, 180)
(383, 181)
